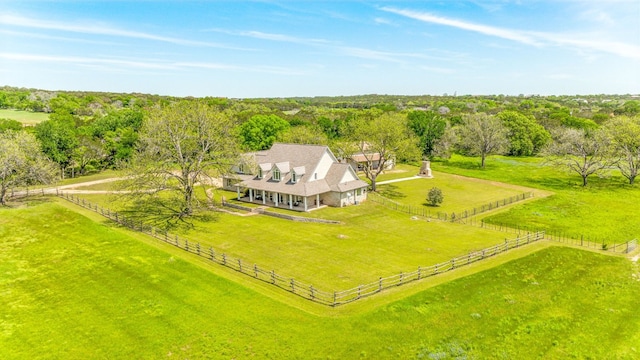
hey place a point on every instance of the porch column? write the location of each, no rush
(238, 189)
(264, 198)
(318, 200)
(290, 202)
(277, 195)
(250, 195)
(305, 204)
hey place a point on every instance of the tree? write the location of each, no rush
(526, 136)
(181, 145)
(623, 134)
(261, 131)
(382, 140)
(482, 135)
(429, 127)
(22, 163)
(10, 124)
(308, 134)
(435, 197)
(58, 140)
(88, 151)
(580, 151)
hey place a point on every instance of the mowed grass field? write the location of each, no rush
(27, 118)
(370, 242)
(460, 192)
(74, 286)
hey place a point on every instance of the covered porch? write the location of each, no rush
(280, 200)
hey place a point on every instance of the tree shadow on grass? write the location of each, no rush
(160, 214)
(390, 191)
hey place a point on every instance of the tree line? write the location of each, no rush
(182, 141)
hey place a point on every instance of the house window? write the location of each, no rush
(241, 168)
(359, 192)
(315, 176)
(294, 177)
(259, 173)
(276, 174)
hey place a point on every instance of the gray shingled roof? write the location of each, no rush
(298, 156)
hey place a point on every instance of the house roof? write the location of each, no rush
(303, 160)
(363, 158)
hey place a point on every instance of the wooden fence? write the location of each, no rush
(454, 216)
(297, 287)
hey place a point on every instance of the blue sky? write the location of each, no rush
(318, 48)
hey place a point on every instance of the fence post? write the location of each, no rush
(255, 270)
(273, 276)
(359, 290)
(186, 245)
(211, 253)
(240, 265)
(334, 298)
(293, 285)
(224, 259)
(419, 270)
(177, 241)
(453, 263)
(311, 291)
(380, 284)
(198, 248)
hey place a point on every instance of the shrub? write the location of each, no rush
(435, 197)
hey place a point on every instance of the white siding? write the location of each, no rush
(323, 167)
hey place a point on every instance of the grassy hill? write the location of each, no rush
(76, 286)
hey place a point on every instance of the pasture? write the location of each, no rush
(370, 242)
(603, 211)
(27, 118)
(75, 286)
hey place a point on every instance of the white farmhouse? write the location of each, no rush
(297, 177)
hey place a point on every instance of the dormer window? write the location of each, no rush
(241, 169)
(276, 174)
(297, 173)
(260, 174)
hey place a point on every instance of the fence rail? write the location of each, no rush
(308, 291)
(453, 216)
(297, 287)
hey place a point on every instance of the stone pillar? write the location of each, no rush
(425, 169)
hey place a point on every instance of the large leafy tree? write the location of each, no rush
(58, 139)
(526, 136)
(482, 135)
(118, 133)
(579, 151)
(261, 131)
(429, 127)
(181, 145)
(22, 163)
(623, 134)
(382, 140)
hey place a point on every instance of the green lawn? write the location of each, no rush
(76, 287)
(603, 211)
(371, 241)
(25, 117)
(460, 193)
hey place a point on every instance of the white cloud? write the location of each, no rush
(20, 21)
(537, 39)
(145, 64)
(508, 34)
(85, 60)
